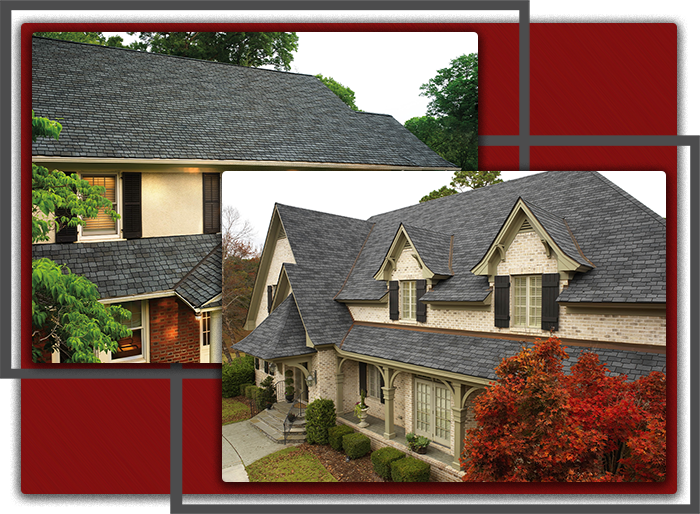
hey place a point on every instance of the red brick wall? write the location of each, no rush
(174, 331)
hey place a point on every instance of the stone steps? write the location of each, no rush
(271, 423)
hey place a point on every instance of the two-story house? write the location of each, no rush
(418, 306)
(157, 132)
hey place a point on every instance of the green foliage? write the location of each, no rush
(382, 459)
(233, 411)
(254, 49)
(439, 193)
(289, 382)
(356, 445)
(66, 314)
(94, 38)
(410, 469)
(289, 465)
(320, 416)
(250, 391)
(346, 94)
(416, 442)
(336, 434)
(236, 373)
(454, 92)
(260, 398)
(243, 388)
(269, 393)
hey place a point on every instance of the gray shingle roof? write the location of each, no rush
(140, 266)
(127, 104)
(624, 239)
(477, 356)
(281, 334)
(203, 282)
(433, 247)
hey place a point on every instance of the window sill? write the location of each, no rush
(129, 360)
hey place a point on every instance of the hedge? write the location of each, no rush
(320, 416)
(356, 445)
(336, 434)
(250, 391)
(243, 388)
(233, 374)
(410, 469)
(382, 459)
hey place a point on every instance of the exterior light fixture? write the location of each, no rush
(311, 379)
(198, 316)
(272, 368)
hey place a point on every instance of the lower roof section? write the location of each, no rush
(124, 268)
(477, 356)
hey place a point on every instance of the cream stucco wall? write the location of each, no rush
(281, 254)
(171, 204)
(526, 255)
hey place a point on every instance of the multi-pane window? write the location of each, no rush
(131, 346)
(527, 301)
(103, 223)
(206, 328)
(408, 299)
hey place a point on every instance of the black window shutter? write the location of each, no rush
(421, 308)
(131, 215)
(212, 202)
(502, 301)
(65, 234)
(269, 299)
(267, 367)
(393, 300)
(257, 363)
(550, 307)
(363, 377)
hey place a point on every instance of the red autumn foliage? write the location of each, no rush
(538, 424)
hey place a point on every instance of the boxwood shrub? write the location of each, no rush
(410, 469)
(233, 374)
(320, 416)
(356, 445)
(250, 391)
(336, 434)
(243, 388)
(382, 459)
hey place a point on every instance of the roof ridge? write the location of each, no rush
(647, 210)
(197, 266)
(357, 257)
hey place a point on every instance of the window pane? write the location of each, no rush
(372, 381)
(520, 300)
(130, 346)
(408, 300)
(535, 301)
(102, 223)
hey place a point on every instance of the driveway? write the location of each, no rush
(241, 445)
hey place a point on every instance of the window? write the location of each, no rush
(206, 328)
(408, 299)
(433, 411)
(527, 301)
(373, 382)
(102, 224)
(131, 346)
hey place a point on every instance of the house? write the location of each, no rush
(417, 306)
(157, 132)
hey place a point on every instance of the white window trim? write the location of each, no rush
(145, 338)
(528, 297)
(117, 186)
(407, 286)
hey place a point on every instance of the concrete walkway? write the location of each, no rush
(241, 445)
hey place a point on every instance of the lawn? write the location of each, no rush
(289, 465)
(234, 410)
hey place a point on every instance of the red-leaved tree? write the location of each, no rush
(538, 424)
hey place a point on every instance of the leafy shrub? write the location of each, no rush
(250, 392)
(243, 388)
(382, 459)
(320, 416)
(356, 445)
(336, 434)
(410, 469)
(260, 398)
(269, 396)
(233, 374)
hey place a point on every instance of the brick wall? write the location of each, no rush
(174, 331)
(526, 255)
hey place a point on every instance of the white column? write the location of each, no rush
(215, 338)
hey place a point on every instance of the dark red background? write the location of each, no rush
(586, 79)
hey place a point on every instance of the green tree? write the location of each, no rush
(66, 314)
(254, 49)
(94, 38)
(346, 94)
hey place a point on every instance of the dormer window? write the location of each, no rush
(527, 301)
(408, 300)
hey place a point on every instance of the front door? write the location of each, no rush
(433, 411)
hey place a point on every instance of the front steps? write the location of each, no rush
(271, 423)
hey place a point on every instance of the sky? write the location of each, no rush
(385, 70)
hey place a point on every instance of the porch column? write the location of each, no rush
(389, 432)
(458, 415)
(215, 337)
(339, 380)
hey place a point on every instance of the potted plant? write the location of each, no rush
(289, 389)
(417, 443)
(361, 410)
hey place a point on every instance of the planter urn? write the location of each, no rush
(363, 417)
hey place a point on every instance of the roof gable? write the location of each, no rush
(432, 251)
(553, 232)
